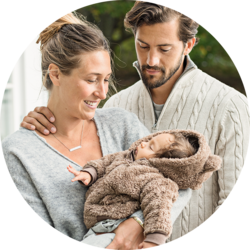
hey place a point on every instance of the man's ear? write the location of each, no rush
(189, 46)
(54, 74)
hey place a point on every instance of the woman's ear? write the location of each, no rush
(54, 74)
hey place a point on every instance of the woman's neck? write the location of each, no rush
(66, 125)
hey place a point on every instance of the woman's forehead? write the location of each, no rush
(96, 62)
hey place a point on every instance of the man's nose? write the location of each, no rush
(153, 58)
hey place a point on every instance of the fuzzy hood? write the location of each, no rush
(188, 172)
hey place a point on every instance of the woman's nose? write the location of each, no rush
(101, 91)
(143, 144)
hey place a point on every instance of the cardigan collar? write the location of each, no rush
(189, 66)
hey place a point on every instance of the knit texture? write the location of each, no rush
(202, 103)
(40, 174)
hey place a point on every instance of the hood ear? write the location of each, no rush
(212, 164)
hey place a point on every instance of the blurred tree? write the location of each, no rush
(109, 18)
(208, 55)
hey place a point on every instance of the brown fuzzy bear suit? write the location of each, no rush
(124, 186)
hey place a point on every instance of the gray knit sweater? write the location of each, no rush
(40, 174)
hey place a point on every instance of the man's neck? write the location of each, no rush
(161, 94)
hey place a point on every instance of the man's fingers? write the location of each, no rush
(46, 112)
(42, 120)
(31, 124)
(27, 125)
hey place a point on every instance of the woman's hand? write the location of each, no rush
(128, 235)
(147, 245)
(40, 119)
(80, 176)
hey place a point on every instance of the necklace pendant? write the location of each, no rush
(73, 149)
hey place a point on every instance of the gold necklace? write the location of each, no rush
(75, 148)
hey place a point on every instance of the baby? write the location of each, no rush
(147, 177)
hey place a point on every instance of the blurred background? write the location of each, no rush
(23, 92)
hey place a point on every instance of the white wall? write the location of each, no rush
(22, 91)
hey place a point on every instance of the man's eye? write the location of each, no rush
(144, 47)
(165, 50)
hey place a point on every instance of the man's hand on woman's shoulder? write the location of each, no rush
(40, 119)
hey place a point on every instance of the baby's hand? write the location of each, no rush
(79, 176)
(147, 245)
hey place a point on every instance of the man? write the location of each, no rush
(174, 94)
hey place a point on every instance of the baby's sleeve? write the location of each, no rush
(97, 168)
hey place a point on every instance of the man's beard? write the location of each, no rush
(163, 79)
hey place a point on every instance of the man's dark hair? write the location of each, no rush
(150, 13)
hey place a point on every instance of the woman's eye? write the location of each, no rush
(91, 80)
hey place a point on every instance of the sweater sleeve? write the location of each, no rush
(232, 144)
(101, 164)
(25, 185)
(93, 174)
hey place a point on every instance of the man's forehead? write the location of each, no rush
(161, 33)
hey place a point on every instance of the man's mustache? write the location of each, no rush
(144, 67)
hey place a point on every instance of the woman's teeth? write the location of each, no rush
(90, 103)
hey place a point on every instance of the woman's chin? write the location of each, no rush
(88, 115)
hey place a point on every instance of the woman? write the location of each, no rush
(76, 67)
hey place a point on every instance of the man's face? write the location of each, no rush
(159, 52)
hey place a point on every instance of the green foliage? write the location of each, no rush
(115, 9)
(208, 55)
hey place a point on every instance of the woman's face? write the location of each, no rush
(81, 91)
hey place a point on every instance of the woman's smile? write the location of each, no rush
(91, 104)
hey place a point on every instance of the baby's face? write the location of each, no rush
(148, 149)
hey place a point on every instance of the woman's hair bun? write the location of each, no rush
(54, 28)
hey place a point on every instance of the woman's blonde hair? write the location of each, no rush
(65, 40)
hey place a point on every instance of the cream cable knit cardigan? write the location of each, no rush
(202, 103)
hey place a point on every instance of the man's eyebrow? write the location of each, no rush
(97, 74)
(165, 44)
